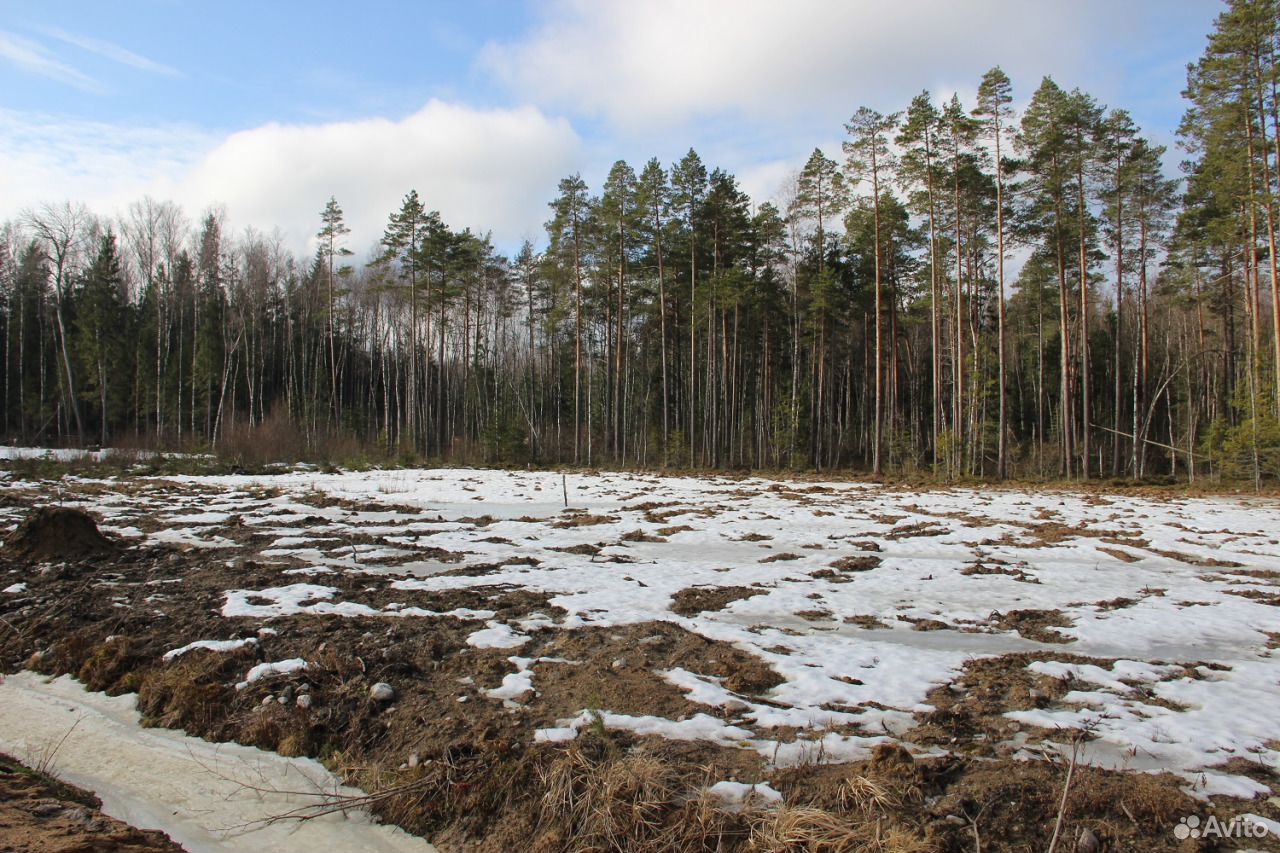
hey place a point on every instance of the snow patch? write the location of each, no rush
(264, 670)
(212, 645)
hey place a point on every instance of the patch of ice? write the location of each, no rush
(514, 685)
(209, 797)
(464, 613)
(212, 645)
(282, 600)
(700, 688)
(831, 748)
(697, 727)
(735, 796)
(199, 518)
(15, 588)
(497, 636)
(263, 670)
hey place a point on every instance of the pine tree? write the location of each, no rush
(689, 187)
(568, 243)
(919, 138)
(331, 234)
(870, 157)
(994, 97)
(100, 329)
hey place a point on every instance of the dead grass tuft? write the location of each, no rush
(818, 831)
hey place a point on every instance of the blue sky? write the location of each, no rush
(269, 108)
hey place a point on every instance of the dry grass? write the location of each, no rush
(818, 831)
(634, 802)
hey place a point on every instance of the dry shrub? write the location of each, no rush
(617, 804)
(817, 831)
(190, 693)
(633, 802)
(280, 438)
(864, 794)
(805, 829)
(109, 664)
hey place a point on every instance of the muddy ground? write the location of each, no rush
(39, 814)
(446, 759)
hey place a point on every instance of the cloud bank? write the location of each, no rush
(669, 61)
(486, 169)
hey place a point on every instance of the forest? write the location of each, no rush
(969, 291)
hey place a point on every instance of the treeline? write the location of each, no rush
(871, 319)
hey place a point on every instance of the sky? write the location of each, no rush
(267, 109)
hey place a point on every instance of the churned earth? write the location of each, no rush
(530, 660)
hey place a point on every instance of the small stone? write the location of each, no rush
(956, 820)
(1088, 842)
(735, 706)
(303, 701)
(382, 692)
(47, 808)
(282, 700)
(304, 687)
(462, 698)
(414, 760)
(619, 663)
(267, 700)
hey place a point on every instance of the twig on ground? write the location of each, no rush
(1066, 789)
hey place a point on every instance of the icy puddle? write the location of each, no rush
(207, 797)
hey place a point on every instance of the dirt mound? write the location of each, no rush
(58, 533)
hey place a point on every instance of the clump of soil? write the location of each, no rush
(992, 566)
(52, 533)
(968, 714)
(697, 599)
(38, 812)
(583, 519)
(864, 620)
(910, 531)
(856, 564)
(1036, 625)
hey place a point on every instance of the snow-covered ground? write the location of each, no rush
(73, 454)
(1178, 598)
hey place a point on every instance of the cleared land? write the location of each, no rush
(679, 663)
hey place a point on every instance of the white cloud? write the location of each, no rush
(33, 58)
(50, 158)
(112, 51)
(669, 61)
(487, 169)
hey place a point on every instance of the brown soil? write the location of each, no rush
(463, 768)
(697, 599)
(856, 564)
(910, 531)
(1123, 556)
(39, 814)
(53, 533)
(583, 519)
(1035, 624)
